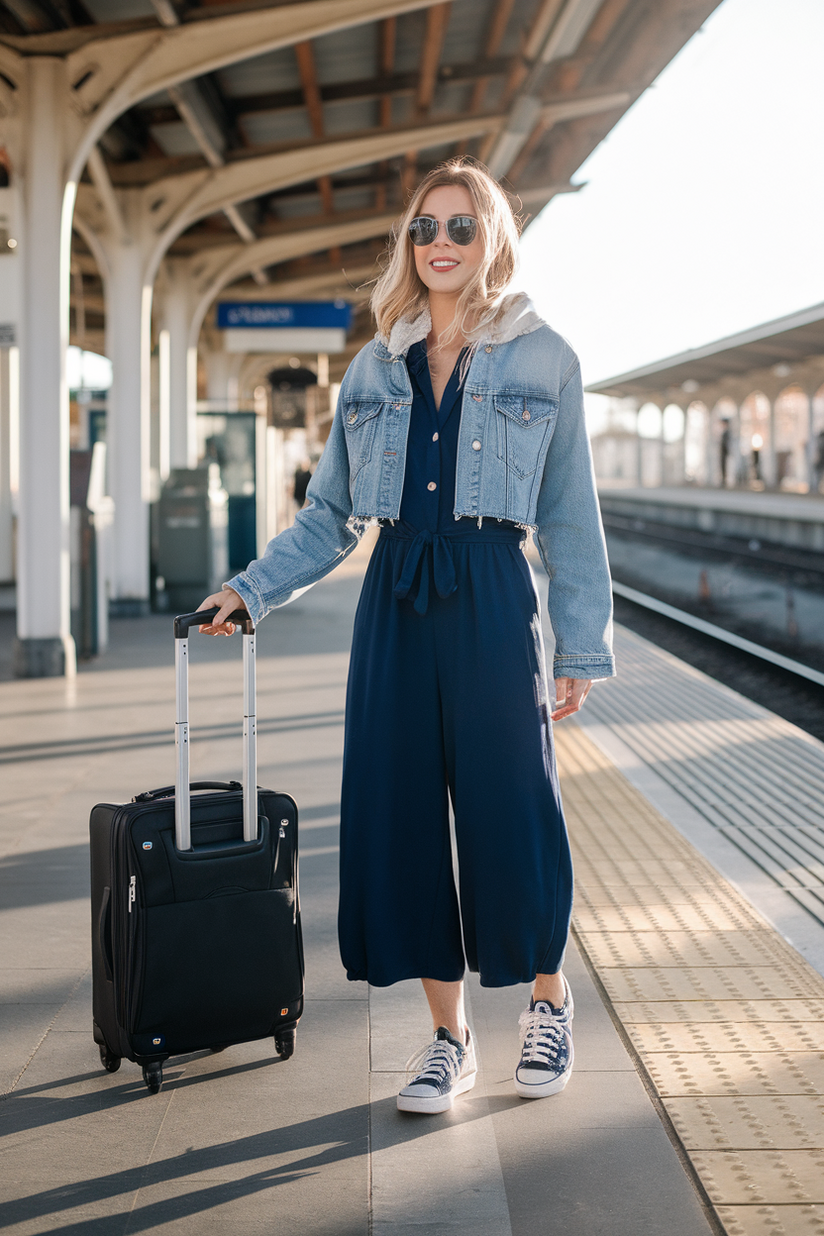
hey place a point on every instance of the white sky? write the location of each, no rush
(703, 210)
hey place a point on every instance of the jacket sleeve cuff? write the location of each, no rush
(249, 594)
(581, 666)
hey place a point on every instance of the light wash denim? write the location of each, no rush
(523, 455)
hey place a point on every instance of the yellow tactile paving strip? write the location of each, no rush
(726, 1018)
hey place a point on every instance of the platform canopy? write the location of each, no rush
(778, 347)
(299, 128)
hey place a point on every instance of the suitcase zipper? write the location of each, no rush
(132, 892)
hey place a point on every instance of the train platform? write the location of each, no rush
(697, 1102)
(793, 520)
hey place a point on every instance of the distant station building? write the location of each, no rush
(746, 412)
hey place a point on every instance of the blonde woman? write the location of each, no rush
(458, 429)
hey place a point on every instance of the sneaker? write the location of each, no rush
(545, 1066)
(442, 1070)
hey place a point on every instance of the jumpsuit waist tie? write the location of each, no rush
(429, 555)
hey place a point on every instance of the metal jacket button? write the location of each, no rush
(526, 416)
(353, 416)
(477, 398)
(487, 349)
(476, 446)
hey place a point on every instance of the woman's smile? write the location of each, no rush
(444, 263)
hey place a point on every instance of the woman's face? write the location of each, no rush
(443, 266)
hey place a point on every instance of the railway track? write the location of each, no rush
(787, 687)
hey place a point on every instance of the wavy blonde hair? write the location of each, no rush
(400, 293)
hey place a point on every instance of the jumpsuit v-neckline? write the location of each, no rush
(447, 699)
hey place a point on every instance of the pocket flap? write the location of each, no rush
(355, 414)
(527, 410)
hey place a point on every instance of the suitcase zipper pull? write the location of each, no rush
(132, 891)
(283, 824)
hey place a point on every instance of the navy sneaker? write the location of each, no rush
(443, 1069)
(545, 1066)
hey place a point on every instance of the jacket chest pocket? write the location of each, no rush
(360, 421)
(523, 424)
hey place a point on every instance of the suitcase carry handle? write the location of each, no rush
(203, 617)
(168, 791)
(183, 823)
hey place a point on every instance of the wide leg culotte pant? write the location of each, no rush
(450, 701)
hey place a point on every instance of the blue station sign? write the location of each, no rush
(271, 315)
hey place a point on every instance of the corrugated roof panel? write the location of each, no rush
(403, 108)
(410, 35)
(347, 55)
(285, 125)
(297, 207)
(277, 70)
(466, 32)
(120, 10)
(174, 139)
(356, 198)
(451, 98)
(348, 116)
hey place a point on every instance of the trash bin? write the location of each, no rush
(192, 558)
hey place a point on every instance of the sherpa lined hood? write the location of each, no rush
(517, 316)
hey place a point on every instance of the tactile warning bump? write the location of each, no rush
(690, 1011)
(751, 1122)
(772, 1220)
(701, 983)
(682, 948)
(738, 1036)
(794, 1176)
(736, 1072)
(727, 1018)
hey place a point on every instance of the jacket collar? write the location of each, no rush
(516, 316)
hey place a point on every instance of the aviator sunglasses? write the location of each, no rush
(461, 229)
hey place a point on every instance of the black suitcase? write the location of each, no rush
(196, 939)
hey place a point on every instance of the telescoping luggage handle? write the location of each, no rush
(183, 825)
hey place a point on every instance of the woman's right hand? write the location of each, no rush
(227, 601)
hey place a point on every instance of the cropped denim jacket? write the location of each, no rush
(523, 455)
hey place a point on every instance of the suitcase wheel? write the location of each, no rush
(110, 1062)
(285, 1042)
(153, 1076)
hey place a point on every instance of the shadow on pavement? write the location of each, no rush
(343, 1135)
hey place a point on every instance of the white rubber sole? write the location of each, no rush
(438, 1102)
(542, 1090)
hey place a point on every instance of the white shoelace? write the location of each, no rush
(437, 1060)
(544, 1037)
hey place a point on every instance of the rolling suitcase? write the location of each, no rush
(196, 939)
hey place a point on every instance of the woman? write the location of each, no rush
(458, 429)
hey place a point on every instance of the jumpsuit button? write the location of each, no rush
(435, 437)
(476, 446)
(431, 486)
(477, 398)
(526, 416)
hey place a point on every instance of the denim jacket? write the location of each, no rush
(523, 455)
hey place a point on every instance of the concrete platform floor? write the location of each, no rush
(238, 1142)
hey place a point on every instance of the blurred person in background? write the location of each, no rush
(458, 430)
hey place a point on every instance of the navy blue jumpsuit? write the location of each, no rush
(447, 696)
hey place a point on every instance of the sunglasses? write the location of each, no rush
(461, 229)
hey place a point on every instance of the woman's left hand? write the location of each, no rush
(570, 694)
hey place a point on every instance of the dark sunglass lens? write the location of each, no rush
(422, 231)
(461, 229)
